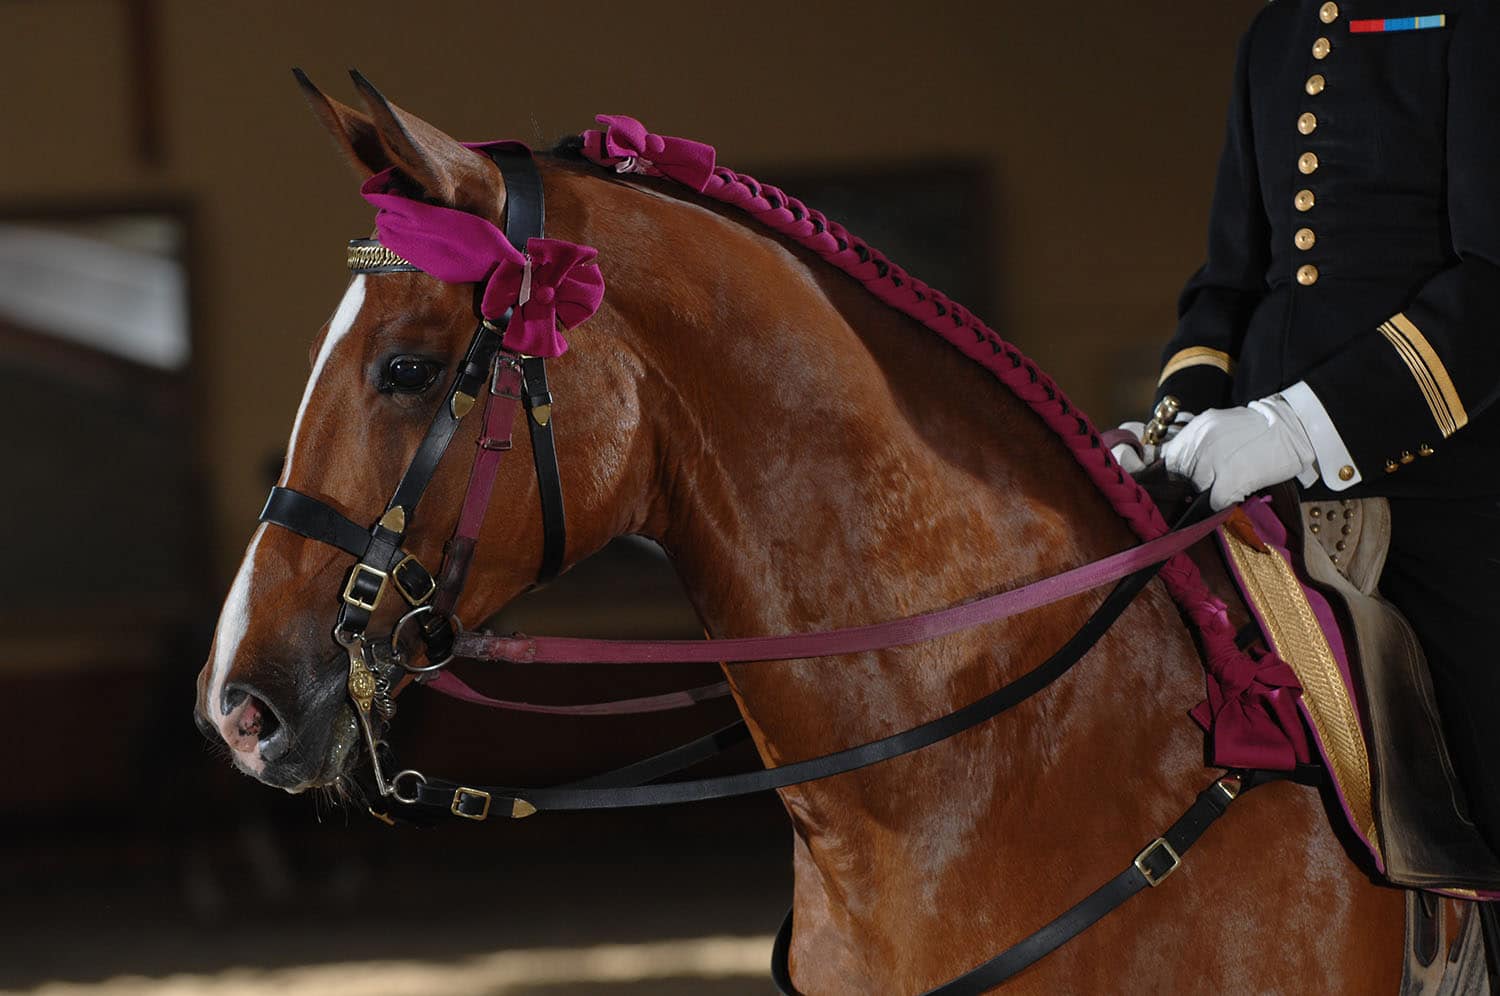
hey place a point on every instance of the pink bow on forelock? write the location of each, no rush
(562, 282)
(626, 145)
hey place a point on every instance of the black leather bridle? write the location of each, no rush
(381, 561)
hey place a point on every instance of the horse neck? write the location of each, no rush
(825, 462)
(820, 461)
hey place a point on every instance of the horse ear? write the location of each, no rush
(352, 130)
(443, 168)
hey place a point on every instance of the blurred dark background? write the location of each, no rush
(172, 222)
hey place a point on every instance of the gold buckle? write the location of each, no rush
(351, 599)
(460, 794)
(406, 592)
(1152, 879)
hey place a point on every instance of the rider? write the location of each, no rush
(1345, 329)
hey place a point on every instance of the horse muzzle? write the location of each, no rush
(293, 739)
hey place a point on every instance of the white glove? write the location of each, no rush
(1125, 453)
(1236, 451)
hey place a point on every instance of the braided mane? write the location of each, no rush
(1232, 675)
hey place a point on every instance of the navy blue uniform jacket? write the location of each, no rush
(1354, 241)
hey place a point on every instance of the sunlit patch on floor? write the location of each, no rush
(507, 973)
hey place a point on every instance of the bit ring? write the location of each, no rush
(418, 780)
(400, 658)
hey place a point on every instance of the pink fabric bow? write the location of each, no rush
(564, 286)
(628, 146)
(1252, 713)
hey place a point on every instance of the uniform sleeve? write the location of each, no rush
(1215, 306)
(1398, 391)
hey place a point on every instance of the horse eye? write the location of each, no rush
(409, 374)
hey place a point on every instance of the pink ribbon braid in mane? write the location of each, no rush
(1251, 710)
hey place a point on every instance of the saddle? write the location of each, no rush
(1423, 831)
(1311, 585)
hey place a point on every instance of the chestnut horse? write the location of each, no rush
(810, 459)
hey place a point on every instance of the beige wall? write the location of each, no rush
(1102, 122)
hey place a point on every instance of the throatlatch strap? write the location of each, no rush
(1159, 859)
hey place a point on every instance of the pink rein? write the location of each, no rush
(855, 639)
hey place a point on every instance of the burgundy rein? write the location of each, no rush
(522, 649)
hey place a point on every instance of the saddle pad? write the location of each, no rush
(1348, 647)
(1298, 624)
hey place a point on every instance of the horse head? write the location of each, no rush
(273, 688)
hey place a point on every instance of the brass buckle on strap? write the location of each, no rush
(461, 795)
(1152, 878)
(352, 599)
(406, 592)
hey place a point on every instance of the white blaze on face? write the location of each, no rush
(234, 619)
(338, 328)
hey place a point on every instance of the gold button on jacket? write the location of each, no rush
(1321, 48)
(1308, 162)
(1328, 13)
(1305, 238)
(1315, 84)
(1307, 275)
(1305, 200)
(1307, 123)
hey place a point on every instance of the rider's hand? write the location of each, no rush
(1234, 452)
(1126, 454)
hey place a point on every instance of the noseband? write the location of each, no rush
(382, 563)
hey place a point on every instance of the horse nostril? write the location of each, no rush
(274, 740)
(257, 723)
(233, 696)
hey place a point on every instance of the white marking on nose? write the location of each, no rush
(338, 328)
(234, 620)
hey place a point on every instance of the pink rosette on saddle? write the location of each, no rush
(626, 145)
(553, 283)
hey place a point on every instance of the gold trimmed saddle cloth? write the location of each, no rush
(1366, 691)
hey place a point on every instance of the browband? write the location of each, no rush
(369, 256)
